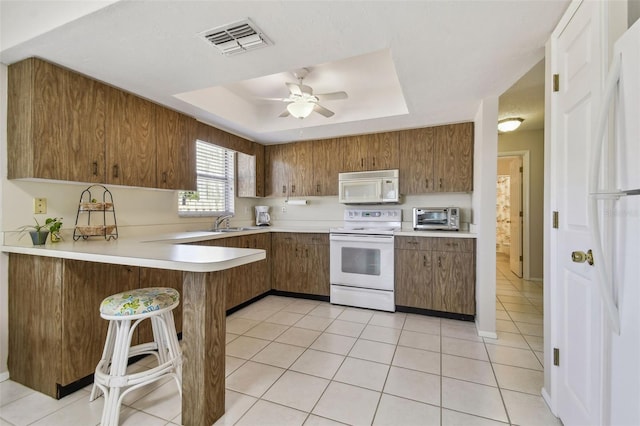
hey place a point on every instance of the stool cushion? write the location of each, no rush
(139, 301)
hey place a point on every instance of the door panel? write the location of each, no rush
(578, 312)
(515, 250)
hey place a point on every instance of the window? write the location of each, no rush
(215, 175)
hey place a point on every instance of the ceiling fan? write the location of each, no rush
(302, 102)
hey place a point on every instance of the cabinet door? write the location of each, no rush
(250, 172)
(454, 158)
(416, 161)
(314, 249)
(262, 269)
(131, 145)
(353, 154)
(377, 151)
(414, 278)
(285, 264)
(327, 163)
(300, 160)
(276, 171)
(83, 112)
(35, 314)
(85, 285)
(382, 151)
(151, 277)
(175, 150)
(454, 289)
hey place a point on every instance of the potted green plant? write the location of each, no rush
(40, 232)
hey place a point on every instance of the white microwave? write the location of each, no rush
(374, 187)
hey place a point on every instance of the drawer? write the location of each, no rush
(313, 239)
(460, 245)
(415, 243)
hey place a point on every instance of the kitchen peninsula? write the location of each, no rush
(39, 271)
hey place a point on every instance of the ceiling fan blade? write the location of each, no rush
(285, 113)
(299, 89)
(294, 89)
(322, 110)
(274, 99)
(334, 96)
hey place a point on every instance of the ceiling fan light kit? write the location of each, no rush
(300, 109)
(302, 102)
(509, 124)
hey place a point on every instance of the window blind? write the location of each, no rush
(215, 178)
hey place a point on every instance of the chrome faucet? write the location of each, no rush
(219, 220)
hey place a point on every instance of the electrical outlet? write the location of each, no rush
(39, 205)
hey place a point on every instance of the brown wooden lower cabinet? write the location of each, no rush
(436, 274)
(300, 263)
(56, 333)
(243, 283)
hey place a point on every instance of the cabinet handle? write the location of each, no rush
(412, 242)
(284, 189)
(440, 183)
(296, 252)
(439, 262)
(424, 260)
(426, 183)
(374, 161)
(116, 171)
(164, 177)
(451, 244)
(293, 189)
(95, 168)
(318, 187)
(362, 162)
(306, 253)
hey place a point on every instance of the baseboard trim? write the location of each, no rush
(431, 313)
(4, 376)
(548, 401)
(487, 334)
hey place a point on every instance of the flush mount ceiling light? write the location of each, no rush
(509, 124)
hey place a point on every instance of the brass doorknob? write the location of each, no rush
(581, 257)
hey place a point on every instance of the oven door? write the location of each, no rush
(364, 261)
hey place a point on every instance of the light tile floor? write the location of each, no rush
(294, 361)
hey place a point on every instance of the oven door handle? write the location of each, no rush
(347, 238)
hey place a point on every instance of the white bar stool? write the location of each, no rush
(125, 311)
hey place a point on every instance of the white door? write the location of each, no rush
(515, 250)
(576, 309)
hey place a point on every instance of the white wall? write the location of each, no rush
(485, 167)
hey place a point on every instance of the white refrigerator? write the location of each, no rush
(615, 212)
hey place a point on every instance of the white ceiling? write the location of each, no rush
(445, 57)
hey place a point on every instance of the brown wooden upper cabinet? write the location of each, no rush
(131, 147)
(436, 159)
(65, 126)
(289, 169)
(176, 150)
(327, 163)
(250, 172)
(377, 151)
(56, 123)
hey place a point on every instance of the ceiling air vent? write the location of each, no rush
(237, 37)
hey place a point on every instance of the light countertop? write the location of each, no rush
(133, 252)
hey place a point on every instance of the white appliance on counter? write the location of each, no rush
(374, 187)
(263, 218)
(362, 259)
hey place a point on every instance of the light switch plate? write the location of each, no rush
(39, 205)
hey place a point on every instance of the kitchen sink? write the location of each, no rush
(244, 228)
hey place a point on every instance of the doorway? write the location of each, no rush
(512, 211)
